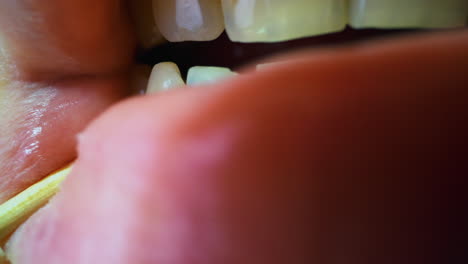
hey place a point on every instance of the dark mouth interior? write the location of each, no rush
(224, 53)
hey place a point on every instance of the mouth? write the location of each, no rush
(210, 40)
(199, 42)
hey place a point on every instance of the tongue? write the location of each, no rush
(38, 133)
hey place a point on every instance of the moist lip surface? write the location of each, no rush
(39, 136)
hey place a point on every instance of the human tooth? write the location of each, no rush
(408, 14)
(279, 20)
(145, 26)
(164, 76)
(204, 75)
(189, 20)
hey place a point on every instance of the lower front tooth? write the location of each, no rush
(185, 20)
(278, 20)
(164, 76)
(408, 14)
(205, 75)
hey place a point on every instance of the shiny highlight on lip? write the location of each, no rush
(25, 145)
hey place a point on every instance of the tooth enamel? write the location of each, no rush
(145, 26)
(204, 75)
(189, 20)
(164, 76)
(408, 14)
(278, 20)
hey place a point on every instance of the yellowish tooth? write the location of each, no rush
(145, 26)
(189, 20)
(164, 76)
(204, 75)
(408, 14)
(16, 210)
(279, 20)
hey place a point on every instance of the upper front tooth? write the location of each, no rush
(185, 20)
(278, 20)
(405, 13)
(204, 75)
(164, 76)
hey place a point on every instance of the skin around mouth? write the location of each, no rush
(82, 93)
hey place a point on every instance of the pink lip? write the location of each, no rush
(46, 125)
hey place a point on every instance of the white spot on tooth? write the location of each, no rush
(189, 15)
